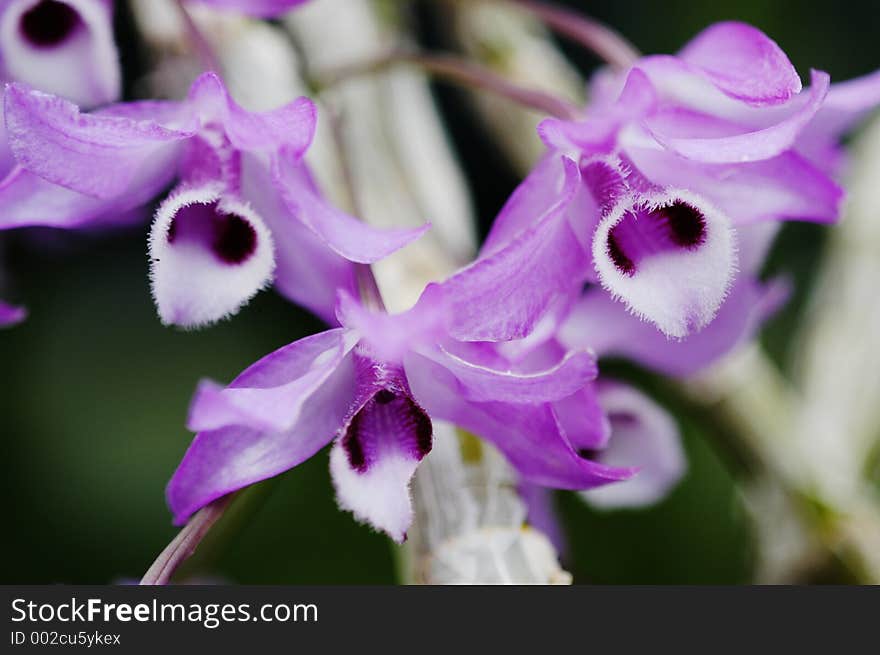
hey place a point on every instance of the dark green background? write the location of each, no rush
(94, 391)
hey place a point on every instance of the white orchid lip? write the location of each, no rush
(669, 255)
(64, 47)
(209, 255)
(376, 456)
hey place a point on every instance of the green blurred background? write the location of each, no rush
(94, 391)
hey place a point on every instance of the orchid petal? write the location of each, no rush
(11, 315)
(209, 255)
(528, 434)
(64, 47)
(756, 145)
(642, 434)
(534, 196)
(744, 63)
(503, 294)
(605, 325)
(787, 186)
(845, 106)
(542, 516)
(390, 336)
(582, 418)
(260, 8)
(228, 458)
(344, 234)
(98, 155)
(307, 271)
(270, 394)
(291, 126)
(594, 134)
(28, 200)
(481, 383)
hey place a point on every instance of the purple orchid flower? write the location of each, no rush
(607, 421)
(262, 8)
(641, 434)
(682, 168)
(64, 47)
(245, 208)
(371, 387)
(11, 315)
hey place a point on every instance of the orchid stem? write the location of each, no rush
(593, 35)
(185, 543)
(463, 72)
(200, 43)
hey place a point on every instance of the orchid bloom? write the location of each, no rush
(11, 315)
(684, 166)
(64, 47)
(245, 209)
(373, 386)
(261, 8)
(609, 422)
(640, 434)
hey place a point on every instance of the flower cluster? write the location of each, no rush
(639, 234)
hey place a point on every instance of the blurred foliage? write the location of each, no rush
(94, 390)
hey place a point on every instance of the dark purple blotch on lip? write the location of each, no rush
(642, 233)
(236, 239)
(49, 23)
(623, 263)
(387, 416)
(686, 224)
(231, 238)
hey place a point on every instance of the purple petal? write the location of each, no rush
(390, 336)
(63, 47)
(481, 383)
(228, 458)
(643, 435)
(669, 256)
(291, 126)
(270, 394)
(503, 294)
(344, 234)
(756, 145)
(376, 456)
(11, 315)
(847, 103)
(98, 155)
(529, 435)
(582, 418)
(535, 195)
(607, 327)
(594, 134)
(744, 63)
(261, 8)
(209, 255)
(784, 187)
(542, 515)
(29, 200)
(306, 270)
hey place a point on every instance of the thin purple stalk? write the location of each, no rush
(185, 543)
(466, 73)
(598, 37)
(200, 44)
